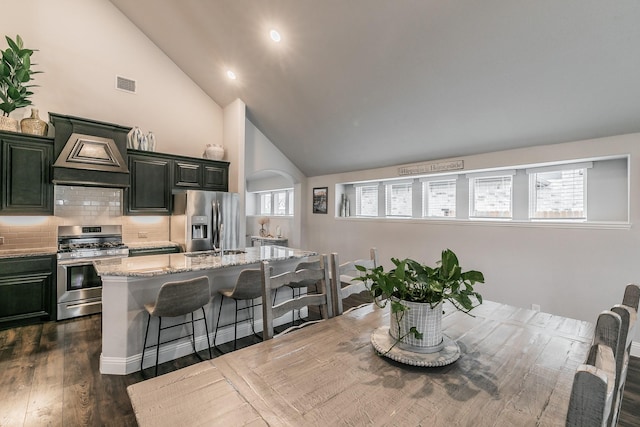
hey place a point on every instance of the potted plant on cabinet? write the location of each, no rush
(15, 74)
(416, 293)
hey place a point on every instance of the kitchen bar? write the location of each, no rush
(129, 283)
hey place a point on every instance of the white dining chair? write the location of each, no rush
(342, 279)
(273, 310)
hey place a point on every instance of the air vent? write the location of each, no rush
(125, 84)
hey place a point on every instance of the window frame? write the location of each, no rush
(388, 198)
(358, 190)
(426, 199)
(474, 214)
(271, 194)
(533, 191)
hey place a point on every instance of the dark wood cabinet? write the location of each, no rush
(27, 293)
(153, 176)
(196, 174)
(215, 177)
(187, 175)
(150, 185)
(26, 174)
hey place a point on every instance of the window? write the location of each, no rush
(276, 203)
(439, 198)
(280, 202)
(558, 194)
(367, 200)
(398, 199)
(491, 196)
(265, 204)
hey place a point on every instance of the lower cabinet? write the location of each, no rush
(27, 290)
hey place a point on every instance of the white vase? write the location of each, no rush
(426, 320)
(151, 141)
(213, 152)
(133, 138)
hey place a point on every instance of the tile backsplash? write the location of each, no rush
(76, 205)
(28, 232)
(87, 205)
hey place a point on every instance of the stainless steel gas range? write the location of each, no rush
(79, 287)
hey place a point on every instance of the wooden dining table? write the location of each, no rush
(515, 368)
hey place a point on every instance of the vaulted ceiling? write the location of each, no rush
(358, 84)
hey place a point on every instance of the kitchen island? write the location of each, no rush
(129, 283)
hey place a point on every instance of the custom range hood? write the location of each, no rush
(89, 153)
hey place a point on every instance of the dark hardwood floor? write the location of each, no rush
(49, 376)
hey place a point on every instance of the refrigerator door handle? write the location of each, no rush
(214, 222)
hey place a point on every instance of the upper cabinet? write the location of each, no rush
(154, 176)
(150, 185)
(26, 174)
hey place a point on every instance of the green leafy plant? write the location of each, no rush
(416, 282)
(15, 74)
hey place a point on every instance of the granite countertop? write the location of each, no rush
(152, 245)
(23, 253)
(159, 265)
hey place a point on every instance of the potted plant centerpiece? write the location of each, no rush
(15, 74)
(416, 293)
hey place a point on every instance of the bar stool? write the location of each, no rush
(248, 287)
(178, 298)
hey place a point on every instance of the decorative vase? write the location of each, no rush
(213, 152)
(133, 138)
(426, 320)
(142, 143)
(33, 125)
(7, 123)
(151, 141)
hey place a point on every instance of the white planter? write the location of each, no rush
(213, 152)
(426, 320)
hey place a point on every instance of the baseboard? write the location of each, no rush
(635, 349)
(171, 351)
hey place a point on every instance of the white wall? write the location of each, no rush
(82, 46)
(567, 270)
(262, 156)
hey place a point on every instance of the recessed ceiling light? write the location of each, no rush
(231, 74)
(275, 36)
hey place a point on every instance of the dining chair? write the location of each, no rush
(246, 289)
(271, 311)
(178, 298)
(592, 395)
(628, 317)
(631, 296)
(342, 279)
(310, 285)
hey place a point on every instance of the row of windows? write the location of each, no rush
(275, 203)
(555, 194)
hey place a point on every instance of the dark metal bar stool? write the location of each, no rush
(178, 298)
(248, 287)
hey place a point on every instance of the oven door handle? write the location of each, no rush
(74, 262)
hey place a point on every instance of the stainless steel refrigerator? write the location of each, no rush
(206, 220)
